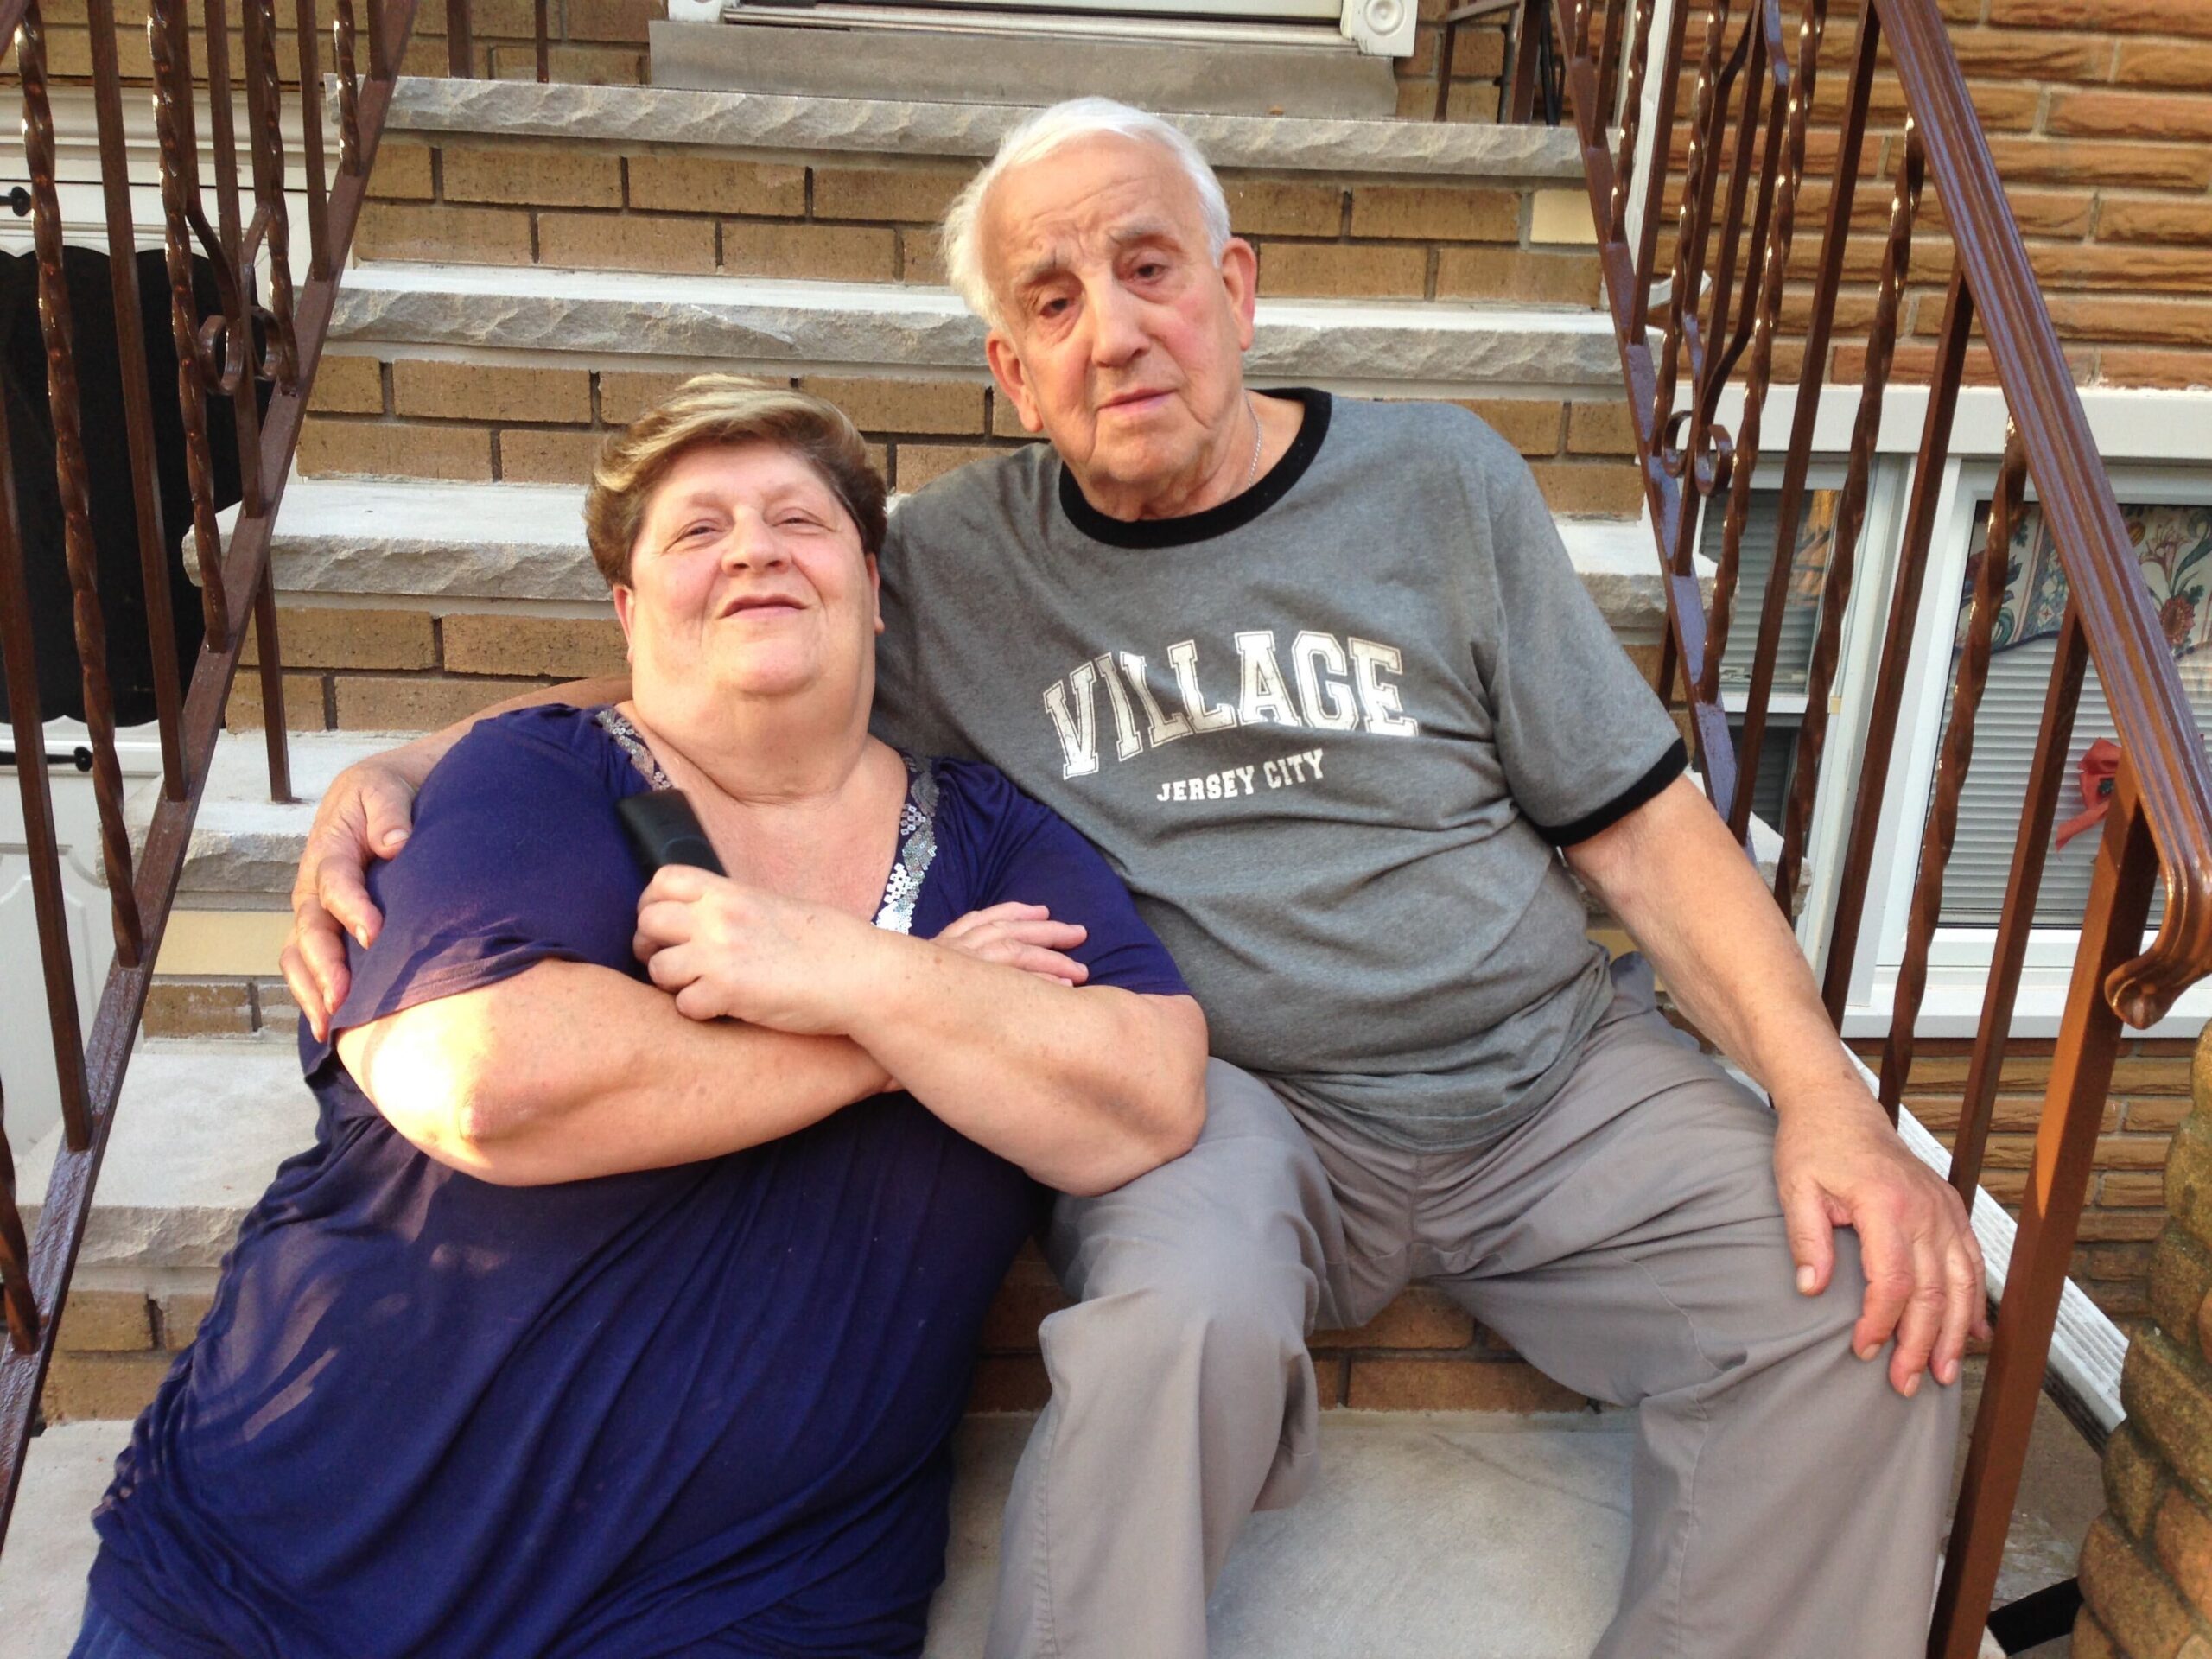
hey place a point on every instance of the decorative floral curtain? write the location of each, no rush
(2173, 549)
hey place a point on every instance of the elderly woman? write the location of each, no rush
(625, 1302)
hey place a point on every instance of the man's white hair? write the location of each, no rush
(1038, 137)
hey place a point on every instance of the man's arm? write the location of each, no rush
(364, 816)
(569, 1069)
(1678, 882)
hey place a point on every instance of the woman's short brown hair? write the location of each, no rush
(712, 410)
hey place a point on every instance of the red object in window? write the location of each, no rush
(2097, 769)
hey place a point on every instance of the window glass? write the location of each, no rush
(2173, 544)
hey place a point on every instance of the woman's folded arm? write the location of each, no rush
(569, 1069)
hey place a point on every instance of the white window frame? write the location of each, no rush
(1959, 957)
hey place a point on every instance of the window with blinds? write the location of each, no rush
(1800, 624)
(2010, 719)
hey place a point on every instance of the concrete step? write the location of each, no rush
(671, 120)
(427, 544)
(845, 51)
(755, 325)
(1459, 1534)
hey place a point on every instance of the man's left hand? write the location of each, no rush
(1839, 1163)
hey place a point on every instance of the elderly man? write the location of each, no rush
(1316, 676)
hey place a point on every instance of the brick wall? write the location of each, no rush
(2147, 1565)
(2125, 1210)
(2099, 115)
(873, 219)
(115, 1347)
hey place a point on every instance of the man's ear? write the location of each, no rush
(1013, 379)
(1240, 275)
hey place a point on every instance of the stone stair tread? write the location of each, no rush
(199, 1129)
(671, 118)
(1475, 1534)
(1413, 347)
(412, 540)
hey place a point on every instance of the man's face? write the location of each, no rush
(1121, 338)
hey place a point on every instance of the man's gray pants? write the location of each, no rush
(1628, 1240)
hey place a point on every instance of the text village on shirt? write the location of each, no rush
(1317, 682)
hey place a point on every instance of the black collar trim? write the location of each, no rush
(1232, 514)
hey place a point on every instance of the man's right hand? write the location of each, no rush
(364, 816)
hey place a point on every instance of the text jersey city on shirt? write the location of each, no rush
(1328, 732)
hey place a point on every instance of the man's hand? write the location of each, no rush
(364, 816)
(1839, 1163)
(1019, 935)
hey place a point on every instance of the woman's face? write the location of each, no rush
(747, 579)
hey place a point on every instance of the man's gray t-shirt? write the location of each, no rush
(1330, 733)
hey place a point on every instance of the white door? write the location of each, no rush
(33, 1094)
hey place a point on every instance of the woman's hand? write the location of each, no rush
(1019, 935)
(730, 951)
(364, 816)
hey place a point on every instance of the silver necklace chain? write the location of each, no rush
(1252, 473)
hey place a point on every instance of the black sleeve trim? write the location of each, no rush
(1670, 767)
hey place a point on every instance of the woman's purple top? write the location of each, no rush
(699, 1410)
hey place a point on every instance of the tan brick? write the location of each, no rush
(278, 1011)
(1278, 207)
(713, 184)
(2155, 1115)
(369, 703)
(2044, 54)
(1421, 1316)
(1006, 419)
(479, 391)
(329, 636)
(2162, 63)
(1561, 218)
(2096, 1225)
(2115, 266)
(621, 20)
(573, 65)
(106, 1322)
(2119, 17)
(1600, 430)
(479, 236)
(1607, 489)
(394, 449)
(112, 1387)
(543, 647)
(2127, 1191)
(2134, 1480)
(920, 259)
(918, 194)
(547, 456)
(938, 406)
(302, 703)
(2154, 218)
(821, 253)
(1436, 212)
(1347, 270)
(917, 464)
(488, 19)
(2151, 1074)
(1508, 274)
(2041, 213)
(182, 1313)
(1009, 1383)
(2132, 1151)
(2169, 370)
(1529, 424)
(2133, 114)
(625, 394)
(631, 242)
(1456, 1385)
(539, 176)
(199, 1008)
(2045, 161)
(2010, 1186)
(348, 386)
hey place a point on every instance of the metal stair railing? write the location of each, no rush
(251, 363)
(1707, 342)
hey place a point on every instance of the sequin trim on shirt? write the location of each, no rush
(916, 820)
